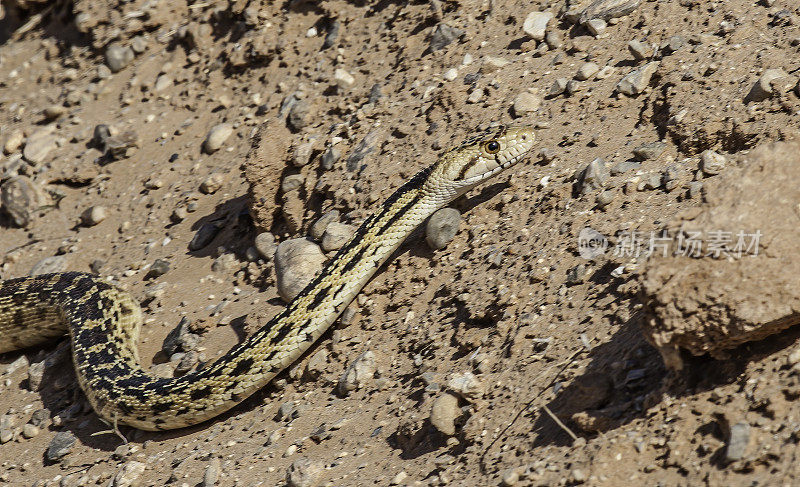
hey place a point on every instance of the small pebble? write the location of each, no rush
(94, 215)
(442, 227)
(217, 136)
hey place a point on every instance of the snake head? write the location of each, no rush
(480, 157)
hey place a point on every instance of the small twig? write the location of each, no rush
(31, 23)
(559, 423)
(562, 366)
(114, 429)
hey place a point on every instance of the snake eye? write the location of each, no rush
(492, 147)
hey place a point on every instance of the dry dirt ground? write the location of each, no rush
(331, 105)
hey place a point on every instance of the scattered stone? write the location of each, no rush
(302, 153)
(343, 79)
(226, 263)
(712, 163)
(303, 472)
(204, 236)
(596, 26)
(180, 339)
(526, 102)
(139, 45)
(53, 112)
(444, 412)
(493, 63)
(300, 113)
(296, 262)
(553, 40)
(158, 268)
(319, 226)
(329, 158)
(400, 478)
(266, 246)
(672, 45)
(510, 477)
(336, 235)
(763, 88)
(558, 87)
(60, 446)
(163, 82)
(7, 423)
(442, 227)
(362, 369)
(649, 150)
(21, 198)
(292, 182)
(123, 145)
(639, 50)
(671, 177)
(14, 141)
(35, 375)
(20, 362)
(593, 177)
(39, 145)
(605, 198)
(48, 265)
(443, 35)
(211, 474)
(29, 431)
(625, 166)
(608, 9)
(362, 149)
(466, 385)
(217, 136)
(738, 440)
(118, 56)
(128, 475)
(39, 417)
(451, 74)
(212, 183)
(637, 80)
(586, 71)
(535, 24)
(94, 215)
(695, 189)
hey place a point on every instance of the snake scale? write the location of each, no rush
(103, 322)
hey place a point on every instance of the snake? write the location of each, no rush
(103, 322)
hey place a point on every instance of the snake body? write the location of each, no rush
(103, 322)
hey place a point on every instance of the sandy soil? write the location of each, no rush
(567, 388)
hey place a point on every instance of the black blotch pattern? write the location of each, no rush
(243, 366)
(162, 407)
(201, 393)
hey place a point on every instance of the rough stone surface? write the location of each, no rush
(442, 226)
(688, 310)
(296, 262)
(20, 198)
(535, 24)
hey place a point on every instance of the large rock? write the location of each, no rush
(745, 283)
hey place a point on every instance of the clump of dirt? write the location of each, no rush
(746, 290)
